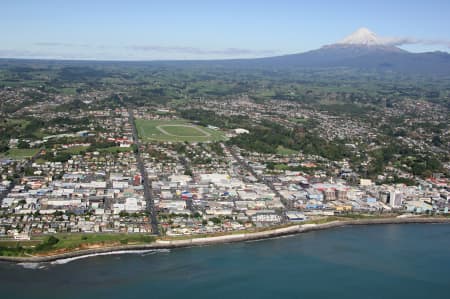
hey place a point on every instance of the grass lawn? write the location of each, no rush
(183, 131)
(21, 153)
(115, 149)
(176, 131)
(281, 167)
(69, 241)
(74, 240)
(76, 150)
(68, 90)
(281, 150)
(15, 243)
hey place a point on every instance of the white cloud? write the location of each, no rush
(200, 51)
(400, 41)
(63, 50)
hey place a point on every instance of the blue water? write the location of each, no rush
(385, 261)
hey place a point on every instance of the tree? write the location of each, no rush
(436, 140)
(52, 240)
(135, 148)
(433, 164)
(123, 214)
(418, 168)
(23, 144)
(58, 213)
(216, 220)
(28, 171)
(3, 147)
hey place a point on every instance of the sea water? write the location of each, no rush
(379, 261)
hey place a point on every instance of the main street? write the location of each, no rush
(287, 204)
(145, 181)
(21, 171)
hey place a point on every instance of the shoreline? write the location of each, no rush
(230, 238)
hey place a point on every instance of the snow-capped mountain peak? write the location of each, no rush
(362, 36)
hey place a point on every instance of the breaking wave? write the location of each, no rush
(33, 266)
(43, 265)
(142, 252)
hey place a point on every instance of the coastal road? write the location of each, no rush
(145, 181)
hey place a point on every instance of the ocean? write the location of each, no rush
(379, 261)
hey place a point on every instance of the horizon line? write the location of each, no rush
(200, 59)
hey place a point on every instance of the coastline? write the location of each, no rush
(230, 238)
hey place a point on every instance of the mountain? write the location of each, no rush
(364, 36)
(363, 49)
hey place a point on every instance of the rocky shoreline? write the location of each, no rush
(231, 238)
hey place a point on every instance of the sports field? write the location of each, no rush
(18, 153)
(175, 131)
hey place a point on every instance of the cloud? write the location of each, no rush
(400, 41)
(52, 44)
(200, 51)
(67, 45)
(143, 51)
(49, 54)
(166, 49)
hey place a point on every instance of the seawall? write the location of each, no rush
(231, 238)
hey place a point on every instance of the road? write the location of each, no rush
(145, 181)
(286, 203)
(20, 170)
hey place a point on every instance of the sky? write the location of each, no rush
(200, 29)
